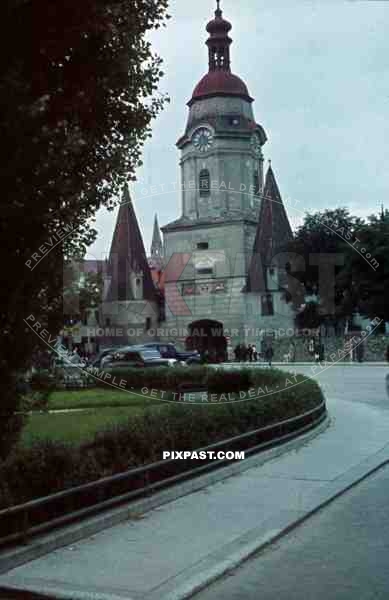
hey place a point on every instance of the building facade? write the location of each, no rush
(223, 275)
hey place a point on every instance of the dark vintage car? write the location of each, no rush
(97, 361)
(138, 357)
(168, 350)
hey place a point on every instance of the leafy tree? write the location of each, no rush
(78, 83)
(325, 239)
(366, 273)
(81, 291)
(308, 317)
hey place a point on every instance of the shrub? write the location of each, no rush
(47, 467)
(171, 379)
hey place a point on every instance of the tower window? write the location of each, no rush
(267, 305)
(204, 271)
(204, 183)
(202, 246)
(256, 183)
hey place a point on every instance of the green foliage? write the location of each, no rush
(366, 274)
(96, 398)
(76, 427)
(48, 467)
(83, 95)
(321, 233)
(361, 277)
(81, 291)
(173, 379)
(309, 317)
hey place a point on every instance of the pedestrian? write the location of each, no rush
(243, 354)
(269, 355)
(360, 351)
(250, 352)
(255, 353)
(75, 358)
(237, 352)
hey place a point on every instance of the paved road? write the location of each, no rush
(360, 383)
(341, 553)
(357, 382)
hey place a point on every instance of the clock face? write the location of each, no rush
(256, 145)
(202, 139)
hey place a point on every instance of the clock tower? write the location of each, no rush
(222, 185)
(221, 149)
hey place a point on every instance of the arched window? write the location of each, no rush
(256, 183)
(267, 305)
(204, 183)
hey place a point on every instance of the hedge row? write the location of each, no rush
(48, 467)
(170, 379)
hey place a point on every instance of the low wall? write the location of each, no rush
(374, 348)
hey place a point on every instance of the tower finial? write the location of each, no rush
(219, 42)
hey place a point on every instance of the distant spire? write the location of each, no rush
(156, 244)
(382, 211)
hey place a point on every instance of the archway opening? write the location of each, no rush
(207, 336)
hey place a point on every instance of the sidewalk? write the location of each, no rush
(173, 550)
(311, 363)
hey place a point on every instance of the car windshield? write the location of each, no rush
(150, 354)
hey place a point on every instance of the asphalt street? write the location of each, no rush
(360, 383)
(341, 553)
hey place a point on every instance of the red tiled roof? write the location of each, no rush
(220, 83)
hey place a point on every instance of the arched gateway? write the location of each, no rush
(207, 336)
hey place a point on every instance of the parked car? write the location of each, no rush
(168, 350)
(138, 357)
(97, 360)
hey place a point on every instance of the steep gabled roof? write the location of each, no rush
(156, 244)
(127, 255)
(273, 233)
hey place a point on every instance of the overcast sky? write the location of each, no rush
(319, 74)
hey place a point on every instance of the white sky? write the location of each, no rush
(319, 73)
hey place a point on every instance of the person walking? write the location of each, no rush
(255, 353)
(292, 352)
(244, 353)
(237, 352)
(269, 355)
(250, 352)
